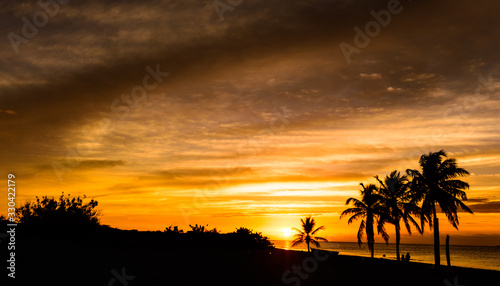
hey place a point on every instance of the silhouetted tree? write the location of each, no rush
(64, 216)
(436, 183)
(174, 234)
(247, 238)
(199, 229)
(307, 232)
(173, 229)
(368, 210)
(398, 204)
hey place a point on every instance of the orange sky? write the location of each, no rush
(260, 120)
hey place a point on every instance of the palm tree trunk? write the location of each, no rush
(448, 262)
(370, 247)
(398, 238)
(437, 257)
(370, 234)
(370, 241)
(308, 249)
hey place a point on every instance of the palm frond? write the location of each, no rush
(298, 230)
(361, 230)
(355, 217)
(315, 243)
(297, 241)
(316, 230)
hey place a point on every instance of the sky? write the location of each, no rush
(248, 113)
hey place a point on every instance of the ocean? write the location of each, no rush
(483, 257)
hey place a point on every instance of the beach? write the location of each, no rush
(70, 263)
(481, 257)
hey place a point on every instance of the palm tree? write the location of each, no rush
(368, 209)
(399, 204)
(437, 184)
(307, 232)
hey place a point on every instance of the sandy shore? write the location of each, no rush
(39, 263)
(356, 270)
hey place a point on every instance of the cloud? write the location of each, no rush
(87, 90)
(87, 165)
(477, 200)
(97, 164)
(208, 173)
(370, 76)
(487, 207)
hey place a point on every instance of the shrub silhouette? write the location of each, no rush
(199, 229)
(65, 216)
(247, 238)
(201, 236)
(173, 229)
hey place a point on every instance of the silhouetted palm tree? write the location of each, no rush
(437, 184)
(368, 209)
(399, 204)
(307, 232)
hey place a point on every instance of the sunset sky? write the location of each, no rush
(261, 119)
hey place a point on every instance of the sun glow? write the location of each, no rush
(287, 232)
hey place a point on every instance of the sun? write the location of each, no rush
(287, 232)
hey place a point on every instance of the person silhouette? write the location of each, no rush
(402, 257)
(407, 257)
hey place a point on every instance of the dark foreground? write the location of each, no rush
(46, 263)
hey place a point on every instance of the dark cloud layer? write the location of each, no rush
(91, 52)
(488, 207)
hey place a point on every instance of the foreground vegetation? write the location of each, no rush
(72, 219)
